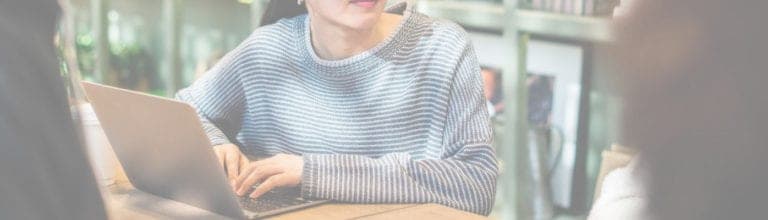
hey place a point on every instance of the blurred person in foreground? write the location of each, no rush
(355, 103)
(697, 106)
(44, 173)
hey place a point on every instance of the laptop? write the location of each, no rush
(164, 150)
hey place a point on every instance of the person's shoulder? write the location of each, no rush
(284, 25)
(440, 30)
(279, 34)
(270, 41)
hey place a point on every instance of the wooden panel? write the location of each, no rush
(342, 211)
(427, 211)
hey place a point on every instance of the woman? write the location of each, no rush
(354, 105)
(693, 75)
(698, 106)
(44, 171)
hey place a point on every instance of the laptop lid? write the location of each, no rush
(163, 148)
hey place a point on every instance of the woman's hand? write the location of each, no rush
(278, 171)
(233, 161)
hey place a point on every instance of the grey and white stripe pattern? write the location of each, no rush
(404, 122)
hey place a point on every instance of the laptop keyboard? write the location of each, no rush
(275, 199)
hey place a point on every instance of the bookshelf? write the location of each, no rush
(472, 15)
(573, 27)
(587, 32)
(491, 17)
(517, 24)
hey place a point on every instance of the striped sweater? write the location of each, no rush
(404, 122)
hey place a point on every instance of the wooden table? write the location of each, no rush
(125, 202)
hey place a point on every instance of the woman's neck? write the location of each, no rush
(334, 42)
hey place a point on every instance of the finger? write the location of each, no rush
(245, 172)
(269, 184)
(243, 163)
(271, 160)
(219, 156)
(233, 162)
(259, 174)
(264, 162)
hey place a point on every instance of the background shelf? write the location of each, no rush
(491, 17)
(472, 15)
(582, 28)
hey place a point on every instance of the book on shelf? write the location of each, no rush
(568, 7)
(537, 4)
(578, 7)
(574, 7)
(589, 7)
(557, 6)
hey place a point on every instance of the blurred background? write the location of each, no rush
(547, 81)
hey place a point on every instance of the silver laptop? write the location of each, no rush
(164, 151)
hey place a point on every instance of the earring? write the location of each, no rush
(298, 2)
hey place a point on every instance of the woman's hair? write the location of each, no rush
(279, 9)
(42, 161)
(694, 74)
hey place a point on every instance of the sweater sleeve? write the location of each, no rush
(464, 177)
(218, 97)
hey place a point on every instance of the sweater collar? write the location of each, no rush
(362, 61)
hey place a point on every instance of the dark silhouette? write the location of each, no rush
(279, 9)
(44, 173)
(697, 105)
